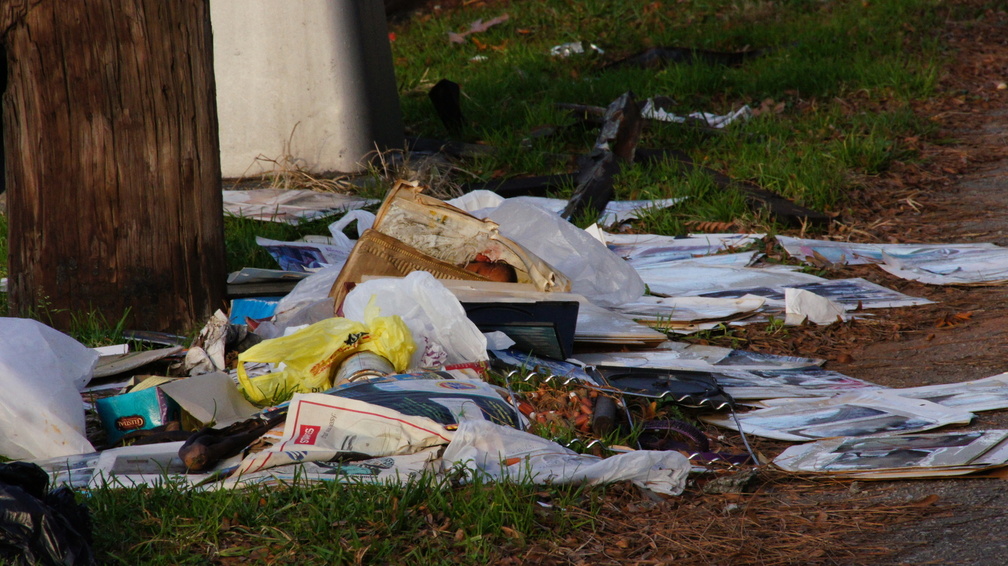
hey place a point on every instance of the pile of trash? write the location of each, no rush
(490, 336)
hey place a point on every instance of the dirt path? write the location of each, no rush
(967, 520)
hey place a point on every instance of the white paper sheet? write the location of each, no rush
(974, 267)
(852, 293)
(665, 312)
(934, 264)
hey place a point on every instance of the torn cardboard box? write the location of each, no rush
(413, 231)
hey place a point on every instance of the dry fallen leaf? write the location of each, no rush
(927, 501)
(510, 533)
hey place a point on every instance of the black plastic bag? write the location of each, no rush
(41, 527)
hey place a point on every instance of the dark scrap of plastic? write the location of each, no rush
(690, 389)
(205, 448)
(615, 144)
(542, 328)
(447, 97)
(672, 434)
(41, 527)
(659, 57)
(603, 419)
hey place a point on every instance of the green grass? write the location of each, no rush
(818, 54)
(92, 329)
(428, 520)
(240, 238)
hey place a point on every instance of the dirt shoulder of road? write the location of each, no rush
(957, 193)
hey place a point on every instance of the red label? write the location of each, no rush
(130, 423)
(307, 434)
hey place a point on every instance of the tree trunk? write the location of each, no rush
(113, 166)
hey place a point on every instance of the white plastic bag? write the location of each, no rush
(593, 269)
(364, 220)
(42, 372)
(309, 290)
(442, 331)
(506, 453)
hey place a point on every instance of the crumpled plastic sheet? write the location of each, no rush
(38, 527)
(505, 453)
(593, 269)
(42, 372)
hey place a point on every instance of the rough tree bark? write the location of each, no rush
(113, 166)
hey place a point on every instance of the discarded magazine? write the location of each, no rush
(905, 456)
(975, 267)
(697, 357)
(718, 273)
(519, 365)
(865, 413)
(851, 293)
(742, 375)
(303, 256)
(987, 394)
(395, 416)
(684, 313)
(934, 264)
(646, 249)
(852, 253)
(289, 206)
(788, 383)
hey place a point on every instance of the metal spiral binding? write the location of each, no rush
(554, 379)
(549, 378)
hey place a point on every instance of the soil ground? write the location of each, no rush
(957, 193)
(961, 195)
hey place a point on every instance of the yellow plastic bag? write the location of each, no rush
(310, 355)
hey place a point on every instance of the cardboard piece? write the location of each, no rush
(210, 398)
(413, 231)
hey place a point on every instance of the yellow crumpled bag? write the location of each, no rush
(311, 354)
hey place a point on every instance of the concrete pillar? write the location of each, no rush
(306, 82)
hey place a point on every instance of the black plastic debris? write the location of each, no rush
(660, 57)
(616, 144)
(689, 389)
(543, 328)
(447, 97)
(673, 434)
(38, 526)
(205, 448)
